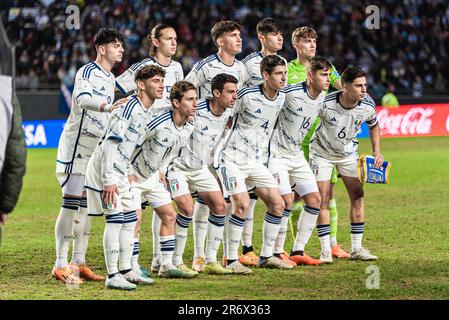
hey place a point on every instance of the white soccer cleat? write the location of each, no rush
(274, 263)
(237, 268)
(118, 282)
(137, 278)
(362, 254)
(326, 257)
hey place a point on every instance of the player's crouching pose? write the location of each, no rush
(242, 163)
(287, 161)
(167, 133)
(190, 173)
(109, 190)
(92, 99)
(335, 143)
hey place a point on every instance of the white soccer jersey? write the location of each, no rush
(252, 64)
(209, 128)
(126, 126)
(294, 121)
(335, 137)
(173, 73)
(162, 142)
(205, 70)
(84, 127)
(254, 119)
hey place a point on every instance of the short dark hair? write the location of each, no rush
(107, 35)
(319, 63)
(351, 73)
(219, 81)
(267, 25)
(148, 72)
(155, 33)
(268, 63)
(179, 88)
(223, 27)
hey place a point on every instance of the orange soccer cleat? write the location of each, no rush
(249, 259)
(305, 259)
(284, 256)
(338, 252)
(66, 275)
(85, 272)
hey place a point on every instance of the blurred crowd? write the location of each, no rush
(409, 51)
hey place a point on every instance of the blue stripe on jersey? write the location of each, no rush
(205, 61)
(295, 87)
(82, 94)
(89, 65)
(331, 96)
(162, 118)
(119, 87)
(89, 70)
(129, 107)
(252, 56)
(137, 65)
(202, 105)
(244, 91)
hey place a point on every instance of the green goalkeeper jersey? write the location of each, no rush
(296, 73)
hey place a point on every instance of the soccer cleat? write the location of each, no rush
(155, 268)
(184, 268)
(362, 254)
(338, 252)
(248, 259)
(198, 264)
(119, 282)
(326, 257)
(305, 260)
(238, 268)
(216, 268)
(285, 257)
(85, 272)
(137, 278)
(145, 271)
(175, 273)
(275, 263)
(66, 275)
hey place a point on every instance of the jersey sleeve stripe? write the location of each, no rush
(89, 65)
(246, 91)
(250, 56)
(295, 87)
(129, 108)
(82, 93)
(119, 87)
(205, 61)
(162, 118)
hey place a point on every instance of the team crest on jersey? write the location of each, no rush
(314, 168)
(358, 121)
(232, 182)
(174, 185)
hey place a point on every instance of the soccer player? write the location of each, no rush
(304, 40)
(190, 172)
(335, 144)
(226, 36)
(109, 190)
(242, 162)
(167, 134)
(271, 40)
(163, 44)
(287, 161)
(92, 100)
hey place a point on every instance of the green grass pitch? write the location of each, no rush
(406, 226)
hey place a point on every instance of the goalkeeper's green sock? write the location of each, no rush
(333, 221)
(294, 216)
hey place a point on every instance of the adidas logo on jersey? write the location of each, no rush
(165, 140)
(300, 109)
(333, 119)
(205, 128)
(102, 88)
(258, 111)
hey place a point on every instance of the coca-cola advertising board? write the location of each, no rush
(412, 120)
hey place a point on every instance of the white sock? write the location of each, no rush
(247, 234)
(86, 233)
(324, 231)
(270, 231)
(135, 258)
(280, 240)
(306, 224)
(63, 230)
(182, 228)
(111, 241)
(357, 229)
(127, 240)
(200, 215)
(167, 248)
(214, 236)
(226, 226)
(234, 235)
(156, 229)
(79, 224)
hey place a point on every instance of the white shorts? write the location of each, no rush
(183, 182)
(237, 179)
(71, 184)
(294, 172)
(151, 190)
(322, 168)
(124, 202)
